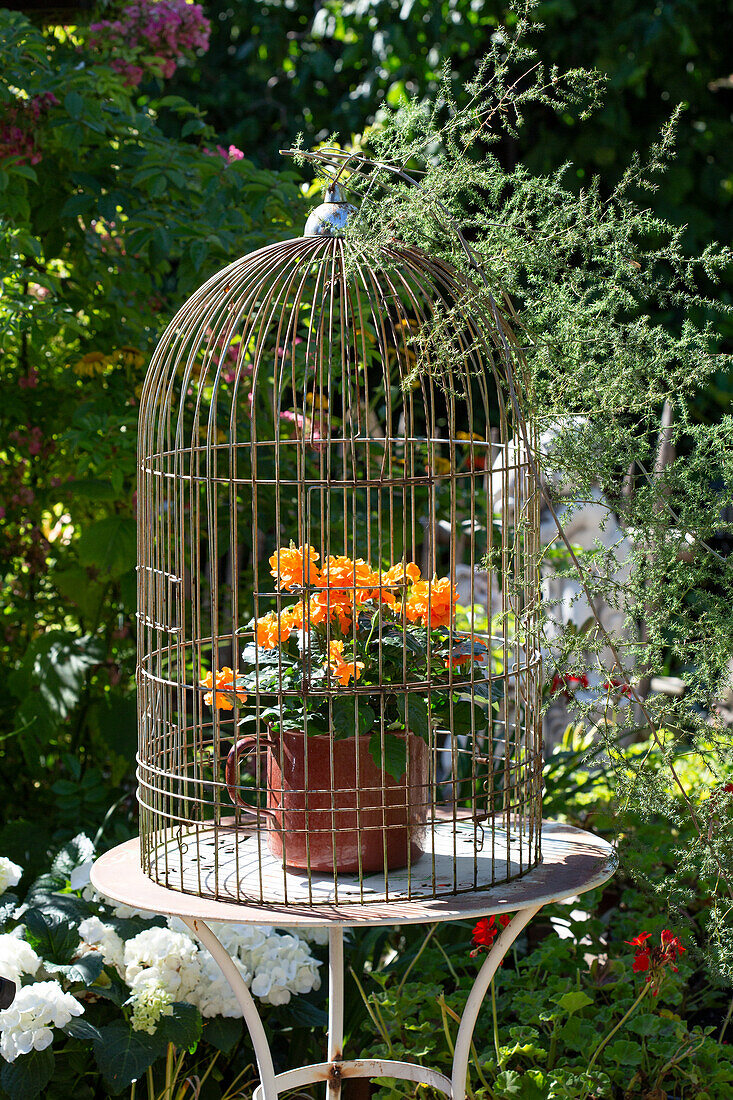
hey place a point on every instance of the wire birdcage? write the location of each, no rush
(339, 666)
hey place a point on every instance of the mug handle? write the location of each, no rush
(245, 744)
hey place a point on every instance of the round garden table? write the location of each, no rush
(573, 862)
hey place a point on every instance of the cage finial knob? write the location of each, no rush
(331, 216)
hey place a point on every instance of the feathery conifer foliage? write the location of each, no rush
(583, 276)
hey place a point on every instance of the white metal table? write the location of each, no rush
(573, 862)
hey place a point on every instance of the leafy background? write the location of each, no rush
(123, 216)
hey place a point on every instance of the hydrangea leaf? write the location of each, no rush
(50, 936)
(8, 904)
(303, 1011)
(81, 1029)
(223, 1033)
(109, 545)
(85, 971)
(27, 1076)
(76, 852)
(123, 1055)
(183, 1027)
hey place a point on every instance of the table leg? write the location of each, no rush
(244, 998)
(335, 1051)
(475, 998)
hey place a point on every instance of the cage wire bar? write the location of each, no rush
(286, 412)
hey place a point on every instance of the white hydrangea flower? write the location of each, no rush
(283, 965)
(149, 1001)
(274, 965)
(29, 1022)
(214, 996)
(124, 912)
(318, 935)
(98, 936)
(17, 957)
(10, 873)
(80, 875)
(170, 957)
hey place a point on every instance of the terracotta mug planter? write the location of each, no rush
(324, 817)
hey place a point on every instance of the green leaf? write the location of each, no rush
(223, 1033)
(123, 1055)
(28, 1075)
(413, 711)
(80, 1028)
(84, 971)
(573, 1002)
(53, 672)
(624, 1052)
(51, 937)
(183, 1027)
(303, 1011)
(75, 205)
(72, 855)
(395, 753)
(110, 545)
(73, 104)
(24, 171)
(344, 720)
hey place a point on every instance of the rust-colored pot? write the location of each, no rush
(324, 817)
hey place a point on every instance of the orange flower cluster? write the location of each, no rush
(274, 629)
(224, 680)
(431, 602)
(341, 669)
(342, 584)
(295, 567)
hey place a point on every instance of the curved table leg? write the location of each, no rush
(335, 1050)
(244, 998)
(475, 998)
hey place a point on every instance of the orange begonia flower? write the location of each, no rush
(352, 580)
(431, 602)
(274, 629)
(295, 566)
(342, 670)
(479, 650)
(224, 679)
(331, 605)
(402, 574)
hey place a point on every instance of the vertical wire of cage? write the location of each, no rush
(324, 717)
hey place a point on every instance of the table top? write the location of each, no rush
(573, 861)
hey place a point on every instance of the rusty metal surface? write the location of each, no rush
(355, 454)
(573, 861)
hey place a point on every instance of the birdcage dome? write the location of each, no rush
(339, 675)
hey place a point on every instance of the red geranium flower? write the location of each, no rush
(486, 931)
(654, 959)
(568, 683)
(618, 685)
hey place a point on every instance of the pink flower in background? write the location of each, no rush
(29, 381)
(19, 124)
(150, 36)
(229, 155)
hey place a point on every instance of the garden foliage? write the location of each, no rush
(583, 274)
(116, 201)
(106, 225)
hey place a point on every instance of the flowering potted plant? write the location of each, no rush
(354, 682)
